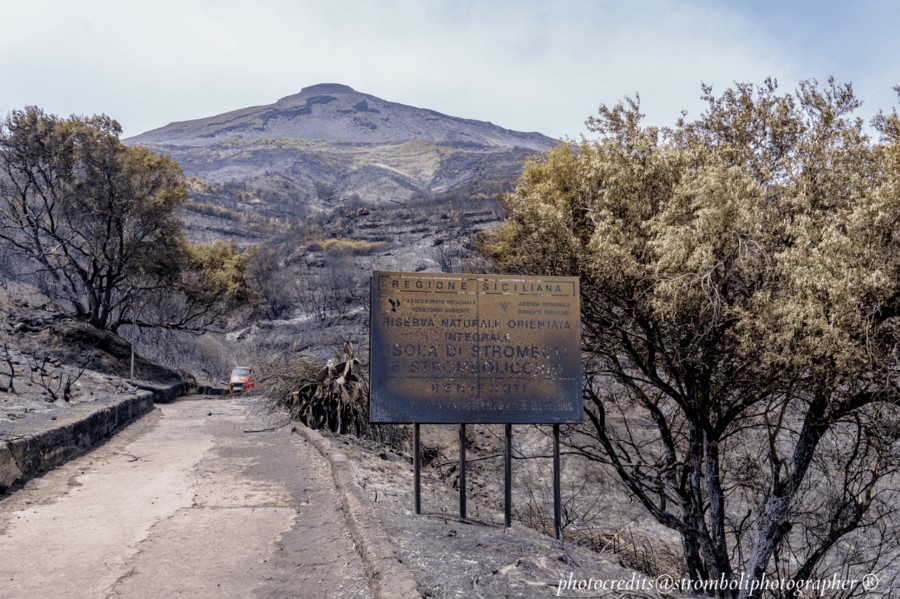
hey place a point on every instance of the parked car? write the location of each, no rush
(241, 379)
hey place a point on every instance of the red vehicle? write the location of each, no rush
(241, 379)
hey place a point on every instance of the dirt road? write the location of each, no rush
(186, 503)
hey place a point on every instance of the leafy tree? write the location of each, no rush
(740, 298)
(219, 270)
(98, 223)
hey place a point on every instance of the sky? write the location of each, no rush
(527, 65)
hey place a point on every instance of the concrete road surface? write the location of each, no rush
(183, 503)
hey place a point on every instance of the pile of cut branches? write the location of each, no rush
(333, 396)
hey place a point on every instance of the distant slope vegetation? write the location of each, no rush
(330, 147)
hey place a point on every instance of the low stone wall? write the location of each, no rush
(166, 393)
(35, 447)
(207, 390)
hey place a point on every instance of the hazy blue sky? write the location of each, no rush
(527, 65)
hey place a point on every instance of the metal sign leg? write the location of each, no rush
(507, 479)
(462, 471)
(417, 470)
(557, 494)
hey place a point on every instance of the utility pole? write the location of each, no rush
(134, 329)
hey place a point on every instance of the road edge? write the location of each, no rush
(388, 576)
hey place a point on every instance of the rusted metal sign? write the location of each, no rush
(475, 349)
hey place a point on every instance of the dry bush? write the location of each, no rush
(207, 355)
(281, 376)
(328, 396)
(324, 293)
(333, 396)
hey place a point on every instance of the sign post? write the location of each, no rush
(475, 348)
(507, 479)
(557, 492)
(417, 470)
(462, 471)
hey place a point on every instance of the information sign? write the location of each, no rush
(471, 348)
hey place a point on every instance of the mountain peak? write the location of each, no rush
(319, 89)
(336, 112)
(327, 88)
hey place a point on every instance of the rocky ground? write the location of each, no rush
(476, 557)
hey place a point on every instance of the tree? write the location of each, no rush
(98, 222)
(273, 281)
(740, 279)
